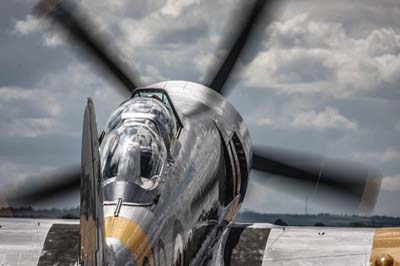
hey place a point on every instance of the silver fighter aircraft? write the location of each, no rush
(162, 183)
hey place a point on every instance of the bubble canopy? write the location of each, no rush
(136, 142)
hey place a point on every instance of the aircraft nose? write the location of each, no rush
(127, 243)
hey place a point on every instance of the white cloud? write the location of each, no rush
(265, 121)
(307, 55)
(153, 74)
(302, 31)
(56, 105)
(138, 33)
(383, 42)
(203, 61)
(388, 155)
(54, 39)
(29, 25)
(293, 66)
(175, 7)
(327, 119)
(391, 183)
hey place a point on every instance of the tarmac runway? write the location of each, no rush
(22, 241)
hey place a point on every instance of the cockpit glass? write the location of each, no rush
(137, 137)
(155, 94)
(147, 110)
(133, 153)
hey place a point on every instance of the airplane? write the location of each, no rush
(162, 183)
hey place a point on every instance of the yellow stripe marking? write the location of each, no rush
(130, 233)
(386, 242)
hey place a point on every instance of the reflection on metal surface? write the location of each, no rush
(134, 153)
(231, 210)
(137, 142)
(190, 189)
(162, 257)
(119, 254)
(162, 95)
(92, 239)
(178, 250)
(384, 260)
(148, 111)
(386, 247)
(129, 192)
(130, 233)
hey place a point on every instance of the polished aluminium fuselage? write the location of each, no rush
(200, 190)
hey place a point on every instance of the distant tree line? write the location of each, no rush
(30, 212)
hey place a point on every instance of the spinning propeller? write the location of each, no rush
(316, 175)
(82, 31)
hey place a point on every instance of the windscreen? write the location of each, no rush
(135, 144)
(147, 110)
(133, 152)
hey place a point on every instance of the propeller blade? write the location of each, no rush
(42, 188)
(238, 41)
(319, 178)
(80, 28)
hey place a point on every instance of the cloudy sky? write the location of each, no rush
(324, 79)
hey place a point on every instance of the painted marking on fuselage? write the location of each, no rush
(132, 235)
(386, 242)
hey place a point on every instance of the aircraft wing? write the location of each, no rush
(56, 242)
(26, 242)
(266, 244)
